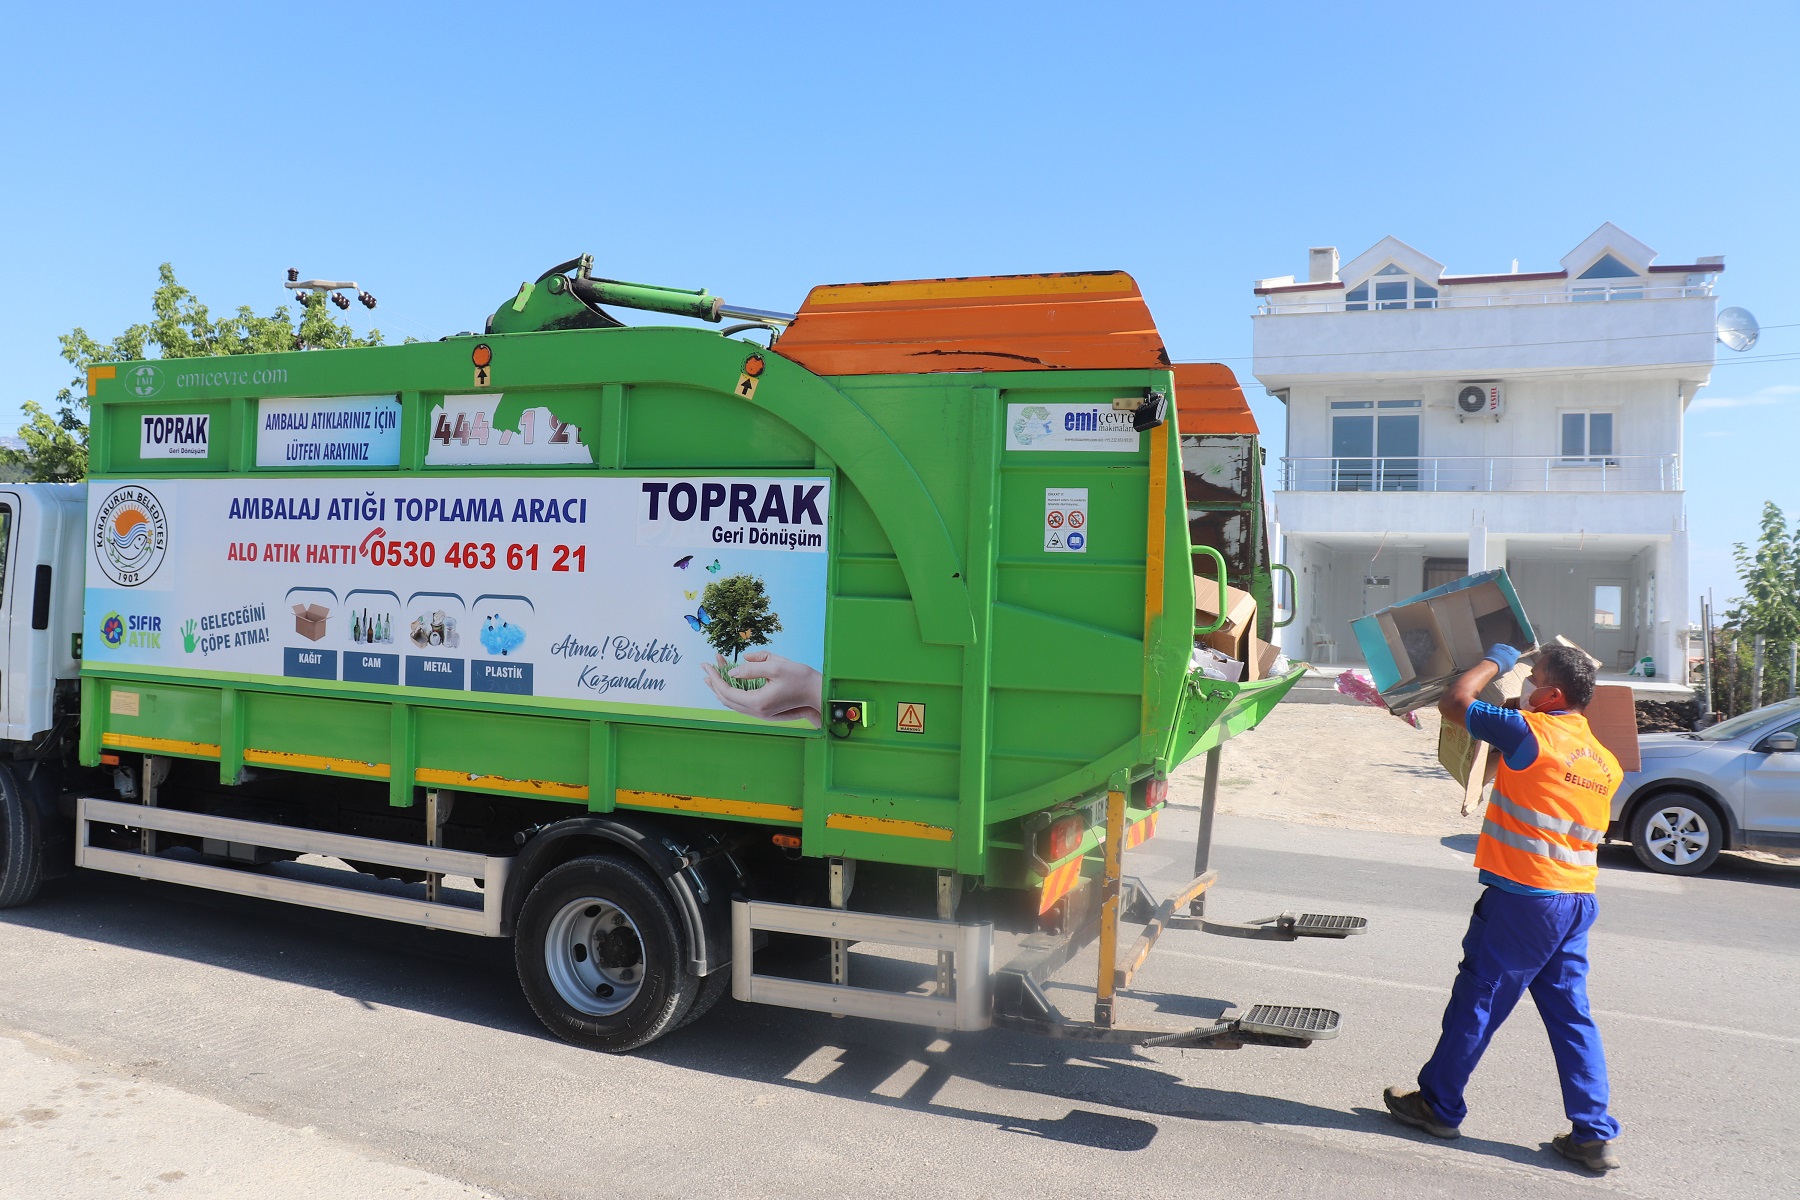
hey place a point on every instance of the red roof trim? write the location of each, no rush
(1522, 276)
(1298, 287)
(1690, 268)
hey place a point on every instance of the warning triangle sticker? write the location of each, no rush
(912, 718)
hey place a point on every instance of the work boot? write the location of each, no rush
(1409, 1108)
(1595, 1155)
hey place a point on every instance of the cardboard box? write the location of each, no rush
(1612, 715)
(1234, 637)
(1261, 663)
(309, 621)
(1416, 647)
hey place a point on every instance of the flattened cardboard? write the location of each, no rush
(1560, 640)
(1467, 758)
(1612, 715)
(309, 621)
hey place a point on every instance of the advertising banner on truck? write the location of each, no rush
(704, 595)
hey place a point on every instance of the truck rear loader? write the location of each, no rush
(660, 649)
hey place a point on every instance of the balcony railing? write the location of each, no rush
(1610, 473)
(1576, 294)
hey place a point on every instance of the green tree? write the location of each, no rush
(739, 608)
(1770, 575)
(180, 326)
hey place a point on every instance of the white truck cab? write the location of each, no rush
(41, 583)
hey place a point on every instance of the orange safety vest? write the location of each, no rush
(1544, 821)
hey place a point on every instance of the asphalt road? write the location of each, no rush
(155, 1040)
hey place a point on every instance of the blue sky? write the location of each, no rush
(440, 154)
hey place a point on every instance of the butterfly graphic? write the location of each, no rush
(714, 569)
(698, 619)
(688, 594)
(683, 562)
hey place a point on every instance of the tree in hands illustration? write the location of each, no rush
(189, 638)
(741, 620)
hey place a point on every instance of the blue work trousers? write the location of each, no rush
(1517, 942)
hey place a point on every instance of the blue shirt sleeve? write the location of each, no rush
(1506, 731)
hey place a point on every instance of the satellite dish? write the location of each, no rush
(1737, 328)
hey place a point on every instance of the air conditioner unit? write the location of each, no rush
(1480, 399)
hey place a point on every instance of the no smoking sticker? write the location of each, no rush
(1065, 520)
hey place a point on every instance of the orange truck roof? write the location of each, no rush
(1081, 320)
(1209, 400)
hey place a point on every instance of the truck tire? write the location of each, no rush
(601, 955)
(21, 843)
(713, 988)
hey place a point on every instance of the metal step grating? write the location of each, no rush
(1287, 1020)
(1328, 925)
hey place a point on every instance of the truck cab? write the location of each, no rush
(40, 603)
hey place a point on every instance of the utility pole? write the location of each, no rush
(1756, 668)
(1706, 657)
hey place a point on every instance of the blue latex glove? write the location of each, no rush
(1503, 656)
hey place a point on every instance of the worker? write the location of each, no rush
(1551, 803)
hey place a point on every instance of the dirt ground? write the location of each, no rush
(1350, 767)
(1332, 764)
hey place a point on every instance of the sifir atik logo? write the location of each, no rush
(138, 631)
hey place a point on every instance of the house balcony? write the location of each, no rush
(1582, 294)
(1646, 328)
(1612, 473)
(1619, 496)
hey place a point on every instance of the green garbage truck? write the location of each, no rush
(662, 651)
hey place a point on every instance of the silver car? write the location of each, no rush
(1735, 786)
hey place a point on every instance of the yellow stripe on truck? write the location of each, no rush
(155, 745)
(754, 809)
(887, 825)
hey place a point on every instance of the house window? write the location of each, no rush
(1587, 439)
(1609, 605)
(1629, 287)
(1390, 287)
(1375, 445)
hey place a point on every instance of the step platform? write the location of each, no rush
(1283, 1020)
(1284, 927)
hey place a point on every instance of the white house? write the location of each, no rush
(1441, 424)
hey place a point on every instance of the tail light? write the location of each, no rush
(1064, 837)
(1156, 792)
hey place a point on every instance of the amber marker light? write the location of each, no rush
(753, 366)
(483, 355)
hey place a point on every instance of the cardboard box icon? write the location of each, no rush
(309, 621)
(1416, 647)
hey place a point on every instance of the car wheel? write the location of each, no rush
(1677, 833)
(601, 955)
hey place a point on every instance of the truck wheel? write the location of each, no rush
(21, 843)
(713, 988)
(1677, 833)
(600, 955)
